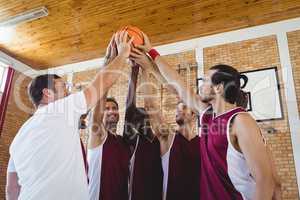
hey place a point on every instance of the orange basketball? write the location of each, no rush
(136, 33)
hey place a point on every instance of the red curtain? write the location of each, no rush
(5, 96)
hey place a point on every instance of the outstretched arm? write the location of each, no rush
(158, 124)
(109, 74)
(155, 71)
(185, 92)
(98, 132)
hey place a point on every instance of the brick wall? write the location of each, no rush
(294, 47)
(256, 54)
(15, 117)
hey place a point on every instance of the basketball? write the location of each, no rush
(136, 33)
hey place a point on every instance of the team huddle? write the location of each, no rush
(226, 159)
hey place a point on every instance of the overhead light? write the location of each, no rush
(6, 34)
(25, 17)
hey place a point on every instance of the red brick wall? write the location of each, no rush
(14, 118)
(256, 54)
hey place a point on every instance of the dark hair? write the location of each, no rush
(81, 123)
(36, 86)
(111, 99)
(137, 122)
(179, 102)
(231, 80)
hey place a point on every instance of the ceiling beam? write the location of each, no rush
(17, 65)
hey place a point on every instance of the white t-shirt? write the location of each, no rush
(11, 166)
(131, 169)
(165, 161)
(94, 157)
(47, 152)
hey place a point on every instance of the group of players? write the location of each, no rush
(226, 159)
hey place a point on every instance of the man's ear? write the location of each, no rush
(47, 92)
(218, 89)
(194, 115)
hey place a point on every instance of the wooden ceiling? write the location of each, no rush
(78, 30)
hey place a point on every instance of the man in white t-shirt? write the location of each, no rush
(46, 159)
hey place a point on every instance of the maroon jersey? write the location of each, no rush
(184, 164)
(147, 173)
(215, 180)
(193, 165)
(114, 170)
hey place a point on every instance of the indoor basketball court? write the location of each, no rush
(143, 100)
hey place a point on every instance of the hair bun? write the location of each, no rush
(245, 79)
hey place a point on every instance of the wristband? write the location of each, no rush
(153, 54)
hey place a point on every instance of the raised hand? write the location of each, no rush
(140, 58)
(147, 44)
(123, 45)
(111, 51)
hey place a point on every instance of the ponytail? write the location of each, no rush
(242, 99)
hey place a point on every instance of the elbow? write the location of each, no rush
(11, 191)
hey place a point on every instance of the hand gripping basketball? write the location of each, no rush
(136, 33)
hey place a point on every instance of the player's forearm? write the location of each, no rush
(155, 71)
(174, 79)
(147, 93)
(151, 108)
(149, 102)
(98, 112)
(104, 80)
(97, 129)
(108, 76)
(170, 75)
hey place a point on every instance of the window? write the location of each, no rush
(3, 76)
(6, 76)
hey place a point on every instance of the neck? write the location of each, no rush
(112, 128)
(220, 106)
(45, 102)
(41, 105)
(187, 130)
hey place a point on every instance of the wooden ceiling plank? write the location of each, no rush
(80, 30)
